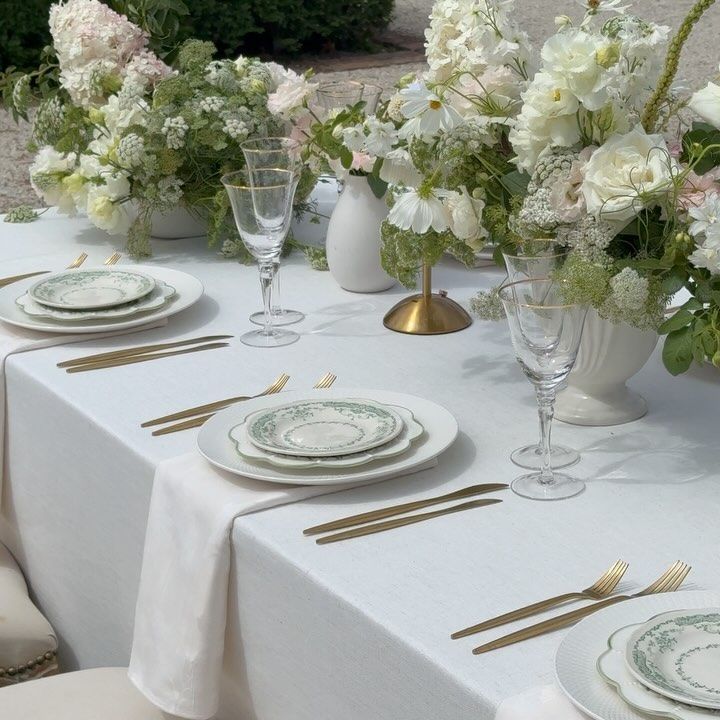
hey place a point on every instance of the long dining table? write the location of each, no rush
(358, 629)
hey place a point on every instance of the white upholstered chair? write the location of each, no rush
(28, 646)
(100, 694)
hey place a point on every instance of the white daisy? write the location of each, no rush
(427, 113)
(398, 169)
(419, 213)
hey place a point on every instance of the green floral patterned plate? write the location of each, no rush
(677, 654)
(91, 289)
(324, 428)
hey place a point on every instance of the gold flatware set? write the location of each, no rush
(369, 526)
(76, 263)
(599, 592)
(200, 414)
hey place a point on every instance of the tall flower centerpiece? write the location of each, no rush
(124, 137)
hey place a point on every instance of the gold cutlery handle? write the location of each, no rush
(185, 425)
(16, 278)
(141, 358)
(191, 412)
(518, 614)
(372, 515)
(140, 350)
(550, 625)
(400, 522)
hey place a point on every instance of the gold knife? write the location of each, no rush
(374, 515)
(141, 358)
(140, 350)
(16, 278)
(401, 522)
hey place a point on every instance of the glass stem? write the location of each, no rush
(267, 272)
(546, 409)
(276, 307)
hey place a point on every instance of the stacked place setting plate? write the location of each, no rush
(88, 300)
(646, 658)
(327, 436)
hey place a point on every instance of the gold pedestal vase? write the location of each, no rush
(427, 313)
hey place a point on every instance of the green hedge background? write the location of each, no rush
(266, 27)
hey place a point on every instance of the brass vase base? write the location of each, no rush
(427, 314)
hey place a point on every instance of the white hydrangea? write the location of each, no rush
(236, 129)
(211, 104)
(175, 129)
(629, 290)
(131, 151)
(46, 175)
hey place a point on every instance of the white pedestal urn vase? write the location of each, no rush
(610, 354)
(353, 239)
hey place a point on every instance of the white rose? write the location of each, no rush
(706, 104)
(622, 170)
(465, 213)
(572, 56)
(290, 96)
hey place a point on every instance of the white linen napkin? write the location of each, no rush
(181, 611)
(16, 340)
(546, 702)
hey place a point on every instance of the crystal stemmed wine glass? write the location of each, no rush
(283, 153)
(339, 94)
(545, 332)
(262, 206)
(548, 257)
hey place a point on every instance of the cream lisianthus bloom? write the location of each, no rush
(624, 172)
(419, 211)
(580, 61)
(427, 113)
(706, 104)
(105, 207)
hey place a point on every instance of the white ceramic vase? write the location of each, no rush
(610, 354)
(176, 224)
(353, 239)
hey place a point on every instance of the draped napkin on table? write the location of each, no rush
(16, 340)
(546, 702)
(181, 612)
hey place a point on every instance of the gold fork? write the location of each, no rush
(669, 581)
(76, 263)
(112, 260)
(272, 389)
(325, 381)
(600, 589)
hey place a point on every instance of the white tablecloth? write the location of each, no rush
(360, 629)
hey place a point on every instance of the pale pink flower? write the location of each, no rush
(696, 188)
(362, 162)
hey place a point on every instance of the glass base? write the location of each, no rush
(284, 317)
(277, 338)
(530, 457)
(529, 486)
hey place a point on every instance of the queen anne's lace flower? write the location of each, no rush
(487, 305)
(629, 290)
(131, 151)
(174, 129)
(49, 120)
(21, 214)
(236, 129)
(211, 104)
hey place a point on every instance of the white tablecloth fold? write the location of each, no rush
(546, 702)
(179, 635)
(16, 340)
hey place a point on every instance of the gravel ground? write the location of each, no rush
(700, 60)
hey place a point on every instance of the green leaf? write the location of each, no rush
(515, 182)
(346, 157)
(679, 320)
(378, 186)
(678, 351)
(674, 281)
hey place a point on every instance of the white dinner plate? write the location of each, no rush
(677, 654)
(217, 447)
(323, 427)
(91, 288)
(188, 290)
(613, 668)
(157, 297)
(411, 432)
(576, 658)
